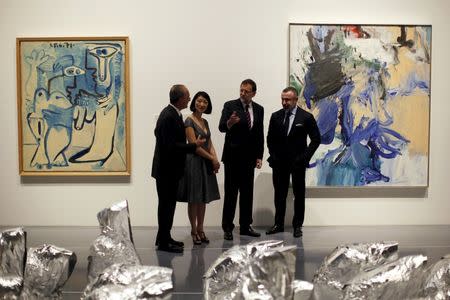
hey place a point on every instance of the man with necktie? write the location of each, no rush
(290, 156)
(168, 163)
(242, 121)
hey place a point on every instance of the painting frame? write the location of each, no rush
(68, 127)
(315, 181)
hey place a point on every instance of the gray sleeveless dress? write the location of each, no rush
(199, 184)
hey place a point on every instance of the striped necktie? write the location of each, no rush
(247, 114)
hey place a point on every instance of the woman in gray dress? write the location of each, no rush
(199, 183)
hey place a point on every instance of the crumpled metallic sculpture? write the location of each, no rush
(108, 249)
(346, 262)
(116, 218)
(12, 260)
(46, 271)
(436, 283)
(259, 270)
(302, 289)
(114, 268)
(372, 271)
(391, 278)
(127, 282)
(114, 244)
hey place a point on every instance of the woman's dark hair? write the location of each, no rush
(204, 95)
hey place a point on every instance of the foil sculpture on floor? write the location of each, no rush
(38, 274)
(12, 259)
(374, 271)
(114, 267)
(122, 281)
(46, 271)
(259, 270)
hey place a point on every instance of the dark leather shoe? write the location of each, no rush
(298, 232)
(177, 243)
(275, 229)
(172, 241)
(169, 247)
(228, 235)
(250, 232)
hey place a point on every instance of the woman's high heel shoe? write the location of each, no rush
(196, 239)
(203, 237)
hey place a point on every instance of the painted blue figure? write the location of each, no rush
(100, 104)
(51, 125)
(357, 160)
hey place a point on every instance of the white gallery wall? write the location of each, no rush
(211, 46)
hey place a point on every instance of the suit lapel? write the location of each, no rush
(296, 120)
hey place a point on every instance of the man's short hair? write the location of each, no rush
(177, 91)
(291, 89)
(250, 82)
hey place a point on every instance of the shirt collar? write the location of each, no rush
(294, 110)
(244, 104)
(178, 111)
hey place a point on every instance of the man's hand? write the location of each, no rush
(200, 141)
(258, 163)
(234, 118)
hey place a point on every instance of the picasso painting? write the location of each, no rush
(73, 106)
(368, 87)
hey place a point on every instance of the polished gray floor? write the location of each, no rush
(316, 243)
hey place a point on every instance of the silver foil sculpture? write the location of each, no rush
(127, 282)
(114, 244)
(374, 271)
(259, 270)
(117, 219)
(346, 262)
(12, 260)
(46, 271)
(114, 267)
(302, 289)
(108, 249)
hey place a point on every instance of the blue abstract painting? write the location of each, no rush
(73, 106)
(368, 87)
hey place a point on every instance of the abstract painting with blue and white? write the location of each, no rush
(369, 90)
(73, 105)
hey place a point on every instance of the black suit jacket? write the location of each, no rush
(171, 146)
(241, 143)
(292, 149)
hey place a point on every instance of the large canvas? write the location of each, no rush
(73, 106)
(368, 87)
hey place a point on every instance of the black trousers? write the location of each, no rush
(167, 194)
(238, 178)
(280, 179)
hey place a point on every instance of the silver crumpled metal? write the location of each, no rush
(374, 271)
(12, 260)
(302, 289)
(436, 282)
(46, 271)
(116, 218)
(126, 282)
(259, 270)
(390, 278)
(114, 267)
(114, 244)
(108, 249)
(346, 262)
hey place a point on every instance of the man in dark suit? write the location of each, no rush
(242, 121)
(290, 155)
(168, 163)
